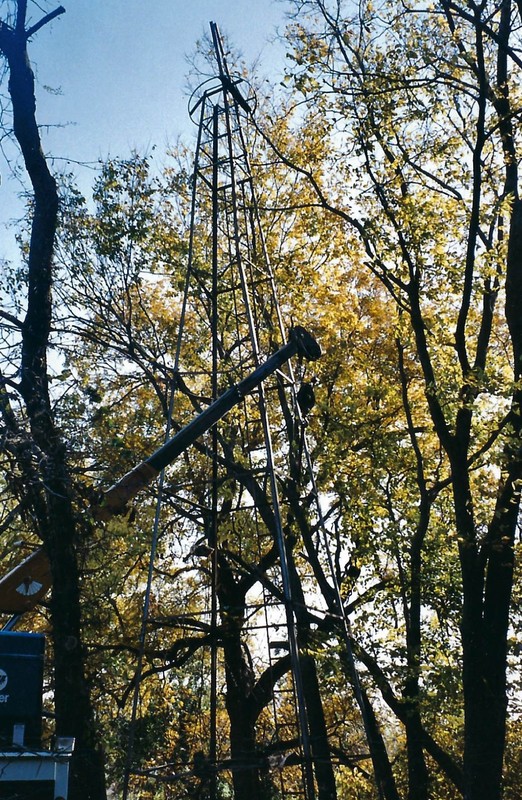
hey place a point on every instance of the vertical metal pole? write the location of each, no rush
(191, 238)
(213, 532)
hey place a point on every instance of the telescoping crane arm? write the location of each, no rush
(116, 498)
(28, 582)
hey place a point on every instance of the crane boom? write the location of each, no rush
(115, 499)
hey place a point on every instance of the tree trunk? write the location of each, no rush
(487, 573)
(240, 681)
(324, 774)
(54, 519)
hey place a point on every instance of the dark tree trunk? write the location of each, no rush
(382, 767)
(418, 776)
(55, 518)
(487, 572)
(381, 763)
(240, 682)
(326, 787)
(487, 569)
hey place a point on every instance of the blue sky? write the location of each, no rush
(120, 64)
(112, 73)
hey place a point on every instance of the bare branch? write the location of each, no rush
(48, 17)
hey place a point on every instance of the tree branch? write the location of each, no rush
(48, 17)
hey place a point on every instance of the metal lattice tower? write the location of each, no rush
(253, 613)
(255, 715)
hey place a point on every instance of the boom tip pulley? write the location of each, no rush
(307, 346)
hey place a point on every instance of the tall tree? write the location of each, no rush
(41, 477)
(420, 108)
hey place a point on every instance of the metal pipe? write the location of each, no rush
(115, 499)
